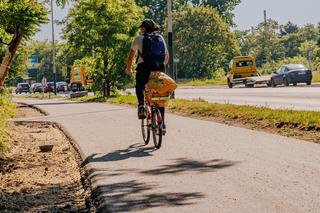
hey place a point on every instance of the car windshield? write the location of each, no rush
(244, 63)
(24, 85)
(296, 67)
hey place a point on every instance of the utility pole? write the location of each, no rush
(170, 41)
(310, 57)
(53, 52)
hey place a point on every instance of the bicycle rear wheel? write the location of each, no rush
(145, 126)
(157, 126)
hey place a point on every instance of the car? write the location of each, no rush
(62, 86)
(291, 74)
(22, 87)
(36, 87)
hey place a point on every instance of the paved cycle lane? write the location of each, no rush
(202, 166)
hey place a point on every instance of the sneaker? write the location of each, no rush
(164, 130)
(141, 112)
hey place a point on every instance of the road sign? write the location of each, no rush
(44, 81)
(34, 62)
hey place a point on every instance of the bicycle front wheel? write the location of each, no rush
(145, 127)
(157, 126)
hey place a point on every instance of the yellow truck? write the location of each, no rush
(243, 70)
(78, 78)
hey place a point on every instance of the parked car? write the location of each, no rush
(62, 86)
(49, 87)
(22, 87)
(291, 74)
(36, 87)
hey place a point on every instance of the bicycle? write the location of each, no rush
(153, 121)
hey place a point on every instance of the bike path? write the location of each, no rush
(202, 166)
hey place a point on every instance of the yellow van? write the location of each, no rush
(240, 68)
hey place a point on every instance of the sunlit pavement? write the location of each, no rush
(201, 167)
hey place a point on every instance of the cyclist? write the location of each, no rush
(145, 65)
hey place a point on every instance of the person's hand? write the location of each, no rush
(128, 71)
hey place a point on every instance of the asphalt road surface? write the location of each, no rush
(293, 98)
(202, 167)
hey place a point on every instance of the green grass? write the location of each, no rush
(204, 82)
(7, 110)
(303, 120)
(40, 96)
(128, 99)
(284, 122)
(250, 114)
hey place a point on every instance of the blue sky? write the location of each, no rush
(248, 13)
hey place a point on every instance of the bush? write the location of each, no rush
(269, 68)
(7, 110)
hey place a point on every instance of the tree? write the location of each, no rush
(203, 42)
(157, 9)
(288, 29)
(224, 7)
(108, 28)
(18, 19)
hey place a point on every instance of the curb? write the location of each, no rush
(33, 107)
(85, 180)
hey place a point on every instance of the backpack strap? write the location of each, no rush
(138, 56)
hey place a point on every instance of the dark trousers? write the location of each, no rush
(142, 77)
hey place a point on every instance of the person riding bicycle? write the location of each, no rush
(152, 56)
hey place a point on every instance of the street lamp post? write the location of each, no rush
(170, 40)
(53, 52)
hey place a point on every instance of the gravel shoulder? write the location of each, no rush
(35, 181)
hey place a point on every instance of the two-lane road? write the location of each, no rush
(294, 98)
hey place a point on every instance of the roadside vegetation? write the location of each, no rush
(299, 124)
(7, 110)
(40, 96)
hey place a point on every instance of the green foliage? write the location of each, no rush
(23, 16)
(203, 42)
(19, 64)
(250, 114)
(270, 67)
(157, 9)
(269, 47)
(289, 28)
(7, 110)
(107, 28)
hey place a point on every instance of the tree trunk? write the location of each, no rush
(106, 91)
(8, 58)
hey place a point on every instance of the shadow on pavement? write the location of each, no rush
(133, 151)
(182, 165)
(136, 196)
(45, 198)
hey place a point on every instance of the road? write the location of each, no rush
(203, 166)
(294, 98)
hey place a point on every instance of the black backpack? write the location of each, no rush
(153, 49)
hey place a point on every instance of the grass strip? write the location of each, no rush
(299, 124)
(40, 96)
(199, 83)
(7, 110)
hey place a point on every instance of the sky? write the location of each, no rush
(248, 14)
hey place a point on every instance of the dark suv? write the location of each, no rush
(22, 87)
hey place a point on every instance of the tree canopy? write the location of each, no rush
(107, 28)
(157, 9)
(203, 42)
(18, 19)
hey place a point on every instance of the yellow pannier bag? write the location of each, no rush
(159, 85)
